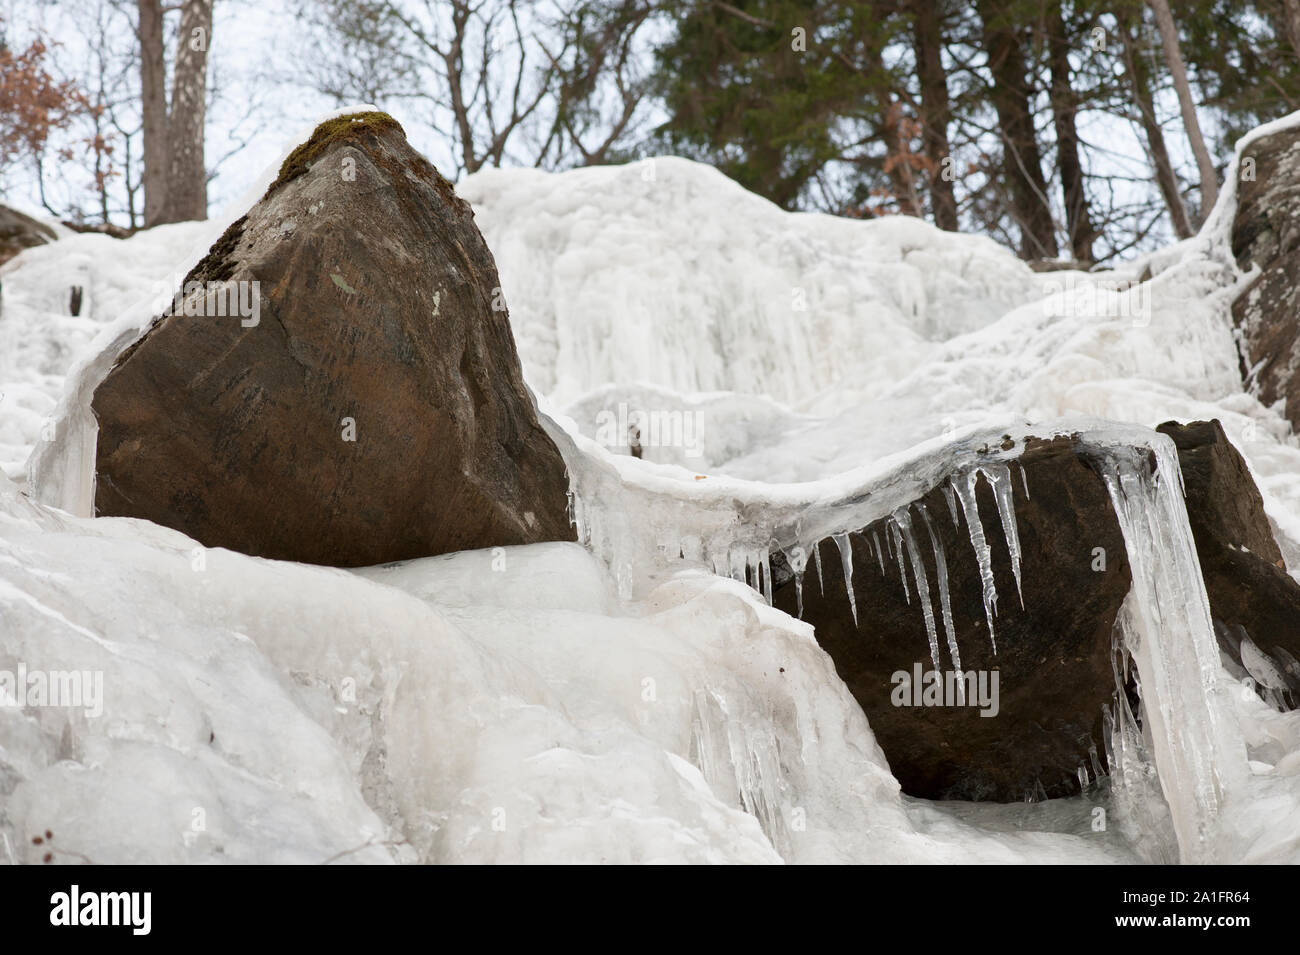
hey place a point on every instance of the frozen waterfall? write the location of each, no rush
(646, 520)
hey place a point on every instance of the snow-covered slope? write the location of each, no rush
(553, 703)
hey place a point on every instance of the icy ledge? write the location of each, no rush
(641, 519)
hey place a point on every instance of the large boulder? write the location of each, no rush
(337, 382)
(1266, 234)
(1054, 657)
(1252, 597)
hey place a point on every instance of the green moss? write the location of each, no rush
(340, 129)
(218, 265)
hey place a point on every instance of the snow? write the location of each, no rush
(787, 378)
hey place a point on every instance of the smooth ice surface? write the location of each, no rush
(786, 378)
(1202, 761)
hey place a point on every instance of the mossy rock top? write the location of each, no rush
(347, 128)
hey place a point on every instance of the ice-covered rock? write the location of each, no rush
(1254, 601)
(966, 581)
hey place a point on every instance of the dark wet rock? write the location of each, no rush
(19, 231)
(1054, 657)
(1266, 234)
(362, 403)
(1251, 594)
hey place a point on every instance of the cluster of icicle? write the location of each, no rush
(903, 547)
(643, 526)
(1137, 803)
(1166, 626)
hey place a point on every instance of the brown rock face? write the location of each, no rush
(1054, 656)
(19, 231)
(1251, 594)
(341, 386)
(1266, 233)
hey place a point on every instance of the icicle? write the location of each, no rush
(903, 518)
(765, 575)
(951, 497)
(896, 545)
(798, 592)
(999, 476)
(965, 487)
(879, 553)
(817, 560)
(738, 565)
(1024, 478)
(945, 604)
(846, 561)
(1083, 778)
(1138, 804)
(1200, 754)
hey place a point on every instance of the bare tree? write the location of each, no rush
(1174, 58)
(1078, 218)
(601, 38)
(471, 63)
(936, 109)
(175, 178)
(544, 82)
(153, 105)
(1291, 23)
(110, 80)
(1144, 101)
(1022, 162)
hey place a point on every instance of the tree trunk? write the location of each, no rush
(187, 178)
(1064, 107)
(1140, 80)
(936, 109)
(1022, 163)
(175, 178)
(1174, 58)
(1291, 23)
(153, 103)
